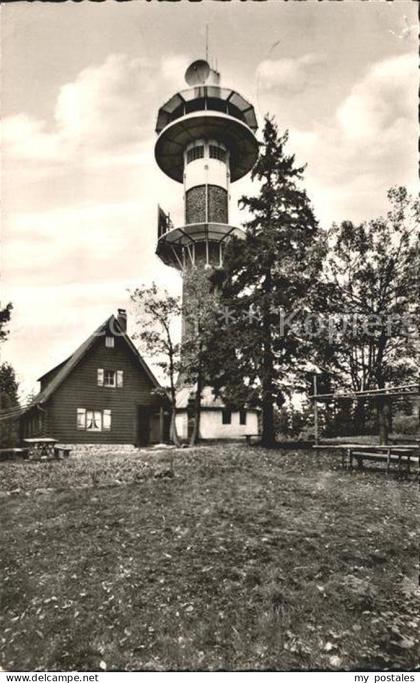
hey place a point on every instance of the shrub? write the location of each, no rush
(406, 424)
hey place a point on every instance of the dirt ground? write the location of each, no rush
(244, 559)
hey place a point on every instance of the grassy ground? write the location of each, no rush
(246, 559)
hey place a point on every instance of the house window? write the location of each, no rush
(110, 378)
(93, 420)
(242, 417)
(109, 342)
(226, 416)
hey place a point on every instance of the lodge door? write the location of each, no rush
(143, 426)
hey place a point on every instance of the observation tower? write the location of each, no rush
(206, 141)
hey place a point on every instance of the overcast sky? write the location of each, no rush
(81, 85)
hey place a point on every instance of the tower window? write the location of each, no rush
(206, 203)
(217, 153)
(195, 153)
(217, 202)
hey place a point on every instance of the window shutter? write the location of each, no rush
(107, 420)
(81, 418)
(100, 377)
(120, 378)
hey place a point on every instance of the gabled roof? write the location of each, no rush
(56, 367)
(68, 365)
(208, 399)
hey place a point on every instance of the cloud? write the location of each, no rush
(381, 101)
(368, 145)
(26, 139)
(106, 105)
(107, 111)
(291, 75)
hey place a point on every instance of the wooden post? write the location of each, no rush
(316, 424)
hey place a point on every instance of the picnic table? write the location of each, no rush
(40, 447)
(401, 454)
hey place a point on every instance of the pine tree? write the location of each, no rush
(268, 275)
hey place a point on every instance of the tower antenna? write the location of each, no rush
(207, 42)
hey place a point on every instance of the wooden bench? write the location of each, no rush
(61, 452)
(401, 456)
(10, 453)
(404, 454)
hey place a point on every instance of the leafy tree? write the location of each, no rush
(156, 313)
(5, 315)
(9, 419)
(184, 363)
(274, 269)
(373, 272)
(8, 387)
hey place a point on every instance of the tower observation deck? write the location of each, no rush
(206, 141)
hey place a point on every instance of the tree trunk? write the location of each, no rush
(360, 417)
(173, 434)
(383, 420)
(195, 436)
(390, 415)
(268, 435)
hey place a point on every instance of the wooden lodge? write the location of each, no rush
(104, 393)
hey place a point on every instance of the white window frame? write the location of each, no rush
(81, 419)
(106, 420)
(104, 376)
(112, 384)
(102, 418)
(110, 342)
(96, 419)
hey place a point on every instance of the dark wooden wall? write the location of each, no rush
(80, 390)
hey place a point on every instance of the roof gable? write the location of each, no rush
(64, 369)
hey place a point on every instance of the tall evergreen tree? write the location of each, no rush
(268, 276)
